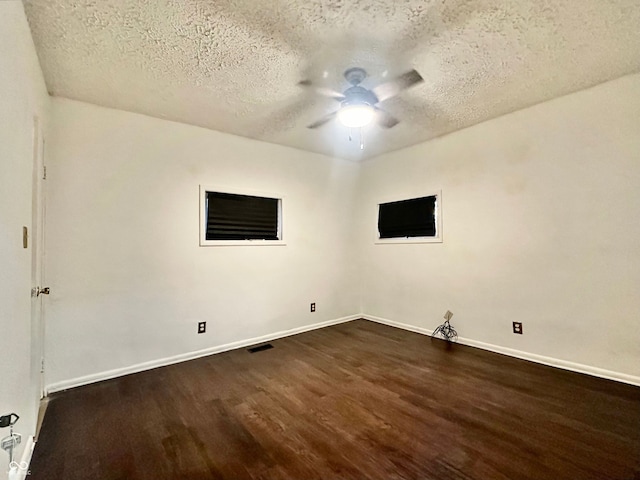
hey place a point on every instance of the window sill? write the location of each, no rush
(242, 243)
(385, 241)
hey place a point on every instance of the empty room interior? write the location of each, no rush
(297, 239)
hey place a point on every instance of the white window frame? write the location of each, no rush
(238, 191)
(400, 240)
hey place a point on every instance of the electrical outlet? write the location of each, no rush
(313, 307)
(517, 328)
(202, 327)
(448, 315)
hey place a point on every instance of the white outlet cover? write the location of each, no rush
(448, 315)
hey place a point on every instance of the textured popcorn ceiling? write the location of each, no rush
(234, 65)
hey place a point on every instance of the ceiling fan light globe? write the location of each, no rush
(356, 116)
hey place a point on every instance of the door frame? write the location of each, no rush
(37, 238)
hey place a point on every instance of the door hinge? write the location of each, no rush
(37, 291)
(42, 365)
(44, 172)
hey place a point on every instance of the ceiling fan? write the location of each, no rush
(358, 105)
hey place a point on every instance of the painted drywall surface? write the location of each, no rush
(22, 95)
(540, 212)
(129, 281)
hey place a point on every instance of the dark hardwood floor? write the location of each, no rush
(353, 401)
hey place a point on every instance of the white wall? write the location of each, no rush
(129, 282)
(22, 96)
(541, 214)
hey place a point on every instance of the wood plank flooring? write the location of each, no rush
(352, 401)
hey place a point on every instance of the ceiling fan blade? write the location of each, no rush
(385, 119)
(324, 91)
(391, 88)
(323, 120)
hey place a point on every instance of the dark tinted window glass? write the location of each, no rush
(408, 218)
(241, 217)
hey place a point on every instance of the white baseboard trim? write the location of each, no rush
(162, 362)
(21, 470)
(550, 361)
(140, 367)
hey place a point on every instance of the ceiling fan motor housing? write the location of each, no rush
(358, 96)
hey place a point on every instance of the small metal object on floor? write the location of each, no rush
(446, 331)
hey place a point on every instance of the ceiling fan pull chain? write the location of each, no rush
(361, 139)
(350, 134)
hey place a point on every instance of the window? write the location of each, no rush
(228, 218)
(415, 220)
